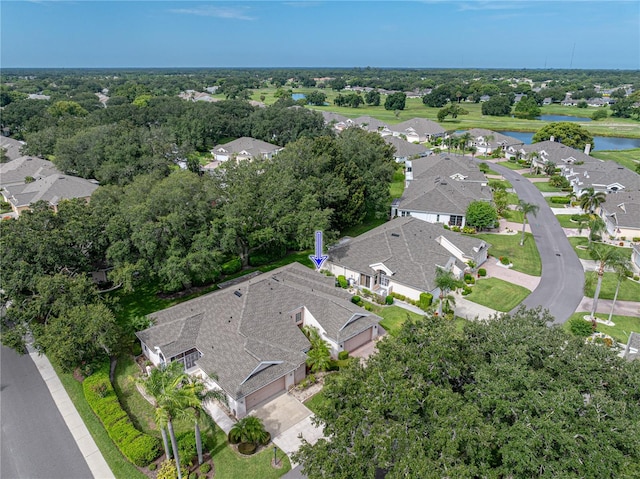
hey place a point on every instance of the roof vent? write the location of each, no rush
(395, 235)
(237, 293)
(443, 182)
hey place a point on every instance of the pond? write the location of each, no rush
(298, 96)
(601, 142)
(562, 118)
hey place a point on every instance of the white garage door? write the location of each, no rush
(264, 393)
(358, 340)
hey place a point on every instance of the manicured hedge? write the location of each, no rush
(233, 266)
(342, 281)
(139, 448)
(560, 200)
(425, 301)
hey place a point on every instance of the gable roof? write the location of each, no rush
(409, 247)
(623, 208)
(242, 328)
(446, 165)
(405, 149)
(245, 145)
(15, 171)
(52, 189)
(445, 195)
(370, 124)
(557, 152)
(499, 139)
(11, 146)
(420, 126)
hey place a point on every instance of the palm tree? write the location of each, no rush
(622, 270)
(249, 429)
(550, 168)
(530, 157)
(605, 257)
(319, 357)
(487, 139)
(595, 226)
(202, 394)
(526, 208)
(591, 199)
(446, 282)
(465, 139)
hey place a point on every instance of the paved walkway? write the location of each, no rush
(623, 308)
(98, 466)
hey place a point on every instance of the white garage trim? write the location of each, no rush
(358, 340)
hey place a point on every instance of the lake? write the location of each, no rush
(562, 118)
(602, 142)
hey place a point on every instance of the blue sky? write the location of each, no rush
(422, 34)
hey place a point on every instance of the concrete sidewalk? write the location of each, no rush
(98, 466)
(623, 308)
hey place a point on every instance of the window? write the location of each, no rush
(298, 317)
(455, 220)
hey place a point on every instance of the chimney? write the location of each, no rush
(587, 148)
(553, 138)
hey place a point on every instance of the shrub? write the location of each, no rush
(388, 300)
(368, 306)
(357, 300)
(205, 468)
(466, 290)
(398, 296)
(231, 267)
(266, 440)
(366, 292)
(446, 227)
(455, 229)
(342, 355)
(636, 277)
(425, 301)
(153, 466)
(559, 181)
(193, 475)
(139, 448)
(467, 277)
(168, 470)
(560, 200)
(235, 439)
(580, 327)
(342, 281)
(246, 448)
(482, 272)
(636, 239)
(470, 230)
(187, 447)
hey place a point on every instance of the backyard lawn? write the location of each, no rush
(629, 289)
(620, 332)
(545, 187)
(397, 184)
(497, 294)
(394, 317)
(524, 258)
(580, 243)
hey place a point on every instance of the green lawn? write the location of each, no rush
(397, 184)
(510, 165)
(513, 215)
(368, 224)
(120, 467)
(314, 401)
(584, 254)
(533, 175)
(497, 294)
(628, 158)
(228, 463)
(512, 199)
(552, 204)
(524, 258)
(629, 290)
(566, 222)
(505, 184)
(394, 317)
(545, 187)
(620, 332)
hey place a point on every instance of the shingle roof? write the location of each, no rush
(15, 171)
(444, 166)
(557, 152)
(242, 327)
(370, 124)
(408, 246)
(404, 149)
(53, 189)
(420, 125)
(252, 146)
(445, 196)
(625, 206)
(498, 138)
(601, 174)
(11, 146)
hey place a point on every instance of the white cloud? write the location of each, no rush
(234, 13)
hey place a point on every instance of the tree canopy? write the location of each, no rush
(506, 397)
(566, 132)
(481, 214)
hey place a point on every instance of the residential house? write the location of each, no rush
(247, 339)
(373, 125)
(418, 130)
(402, 255)
(244, 148)
(336, 121)
(440, 188)
(547, 101)
(24, 169)
(53, 189)
(38, 96)
(11, 147)
(488, 141)
(550, 151)
(403, 150)
(621, 214)
(606, 176)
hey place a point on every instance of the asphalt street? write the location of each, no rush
(562, 281)
(35, 442)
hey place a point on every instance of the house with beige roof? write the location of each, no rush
(621, 214)
(11, 147)
(488, 141)
(402, 256)
(248, 336)
(418, 130)
(403, 150)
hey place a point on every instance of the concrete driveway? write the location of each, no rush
(288, 421)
